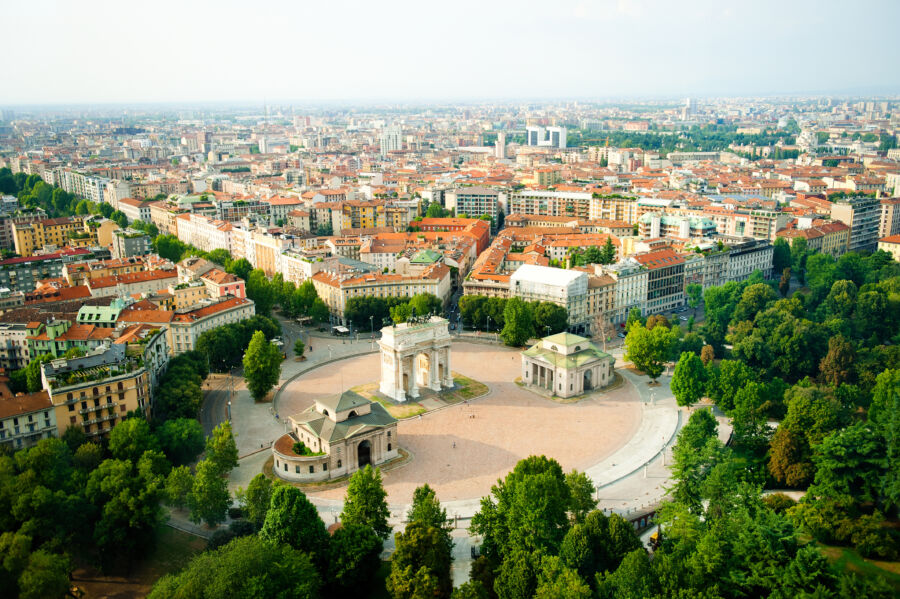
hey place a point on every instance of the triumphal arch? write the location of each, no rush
(415, 354)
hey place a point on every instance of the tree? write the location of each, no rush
(128, 501)
(179, 484)
(517, 577)
(649, 350)
(549, 318)
(694, 293)
(299, 348)
(261, 291)
(221, 449)
(365, 502)
(420, 561)
(129, 439)
(689, 379)
(837, 365)
(319, 311)
(784, 284)
(781, 254)
(181, 439)
(353, 559)
(33, 373)
(528, 509)
(519, 320)
(556, 581)
(248, 566)
(46, 575)
(262, 366)
(427, 509)
(292, 519)
(209, 498)
(581, 492)
(754, 299)
(707, 355)
(884, 413)
(240, 268)
(219, 344)
(257, 499)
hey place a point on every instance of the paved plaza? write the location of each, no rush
(463, 449)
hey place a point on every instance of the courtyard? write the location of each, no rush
(462, 450)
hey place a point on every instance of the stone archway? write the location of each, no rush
(364, 454)
(413, 355)
(422, 365)
(588, 380)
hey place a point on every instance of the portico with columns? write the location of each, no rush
(415, 355)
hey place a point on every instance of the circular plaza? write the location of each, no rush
(461, 450)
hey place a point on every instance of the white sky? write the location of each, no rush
(78, 51)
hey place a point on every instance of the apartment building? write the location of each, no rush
(13, 346)
(335, 290)
(475, 202)
(891, 245)
(135, 209)
(25, 419)
(631, 284)
(130, 242)
(566, 288)
(30, 237)
(551, 203)
(23, 273)
(220, 284)
(665, 279)
(203, 232)
(863, 215)
(889, 221)
(297, 265)
(683, 227)
(829, 238)
(98, 390)
(78, 273)
(134, 283)
(20, 217)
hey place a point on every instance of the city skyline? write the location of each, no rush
(404, 52)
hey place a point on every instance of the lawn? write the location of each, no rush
(172, 552)
(848, 560)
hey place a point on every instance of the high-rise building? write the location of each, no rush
(863, 215)
(546, 137)
(391, 139)
(500, 145)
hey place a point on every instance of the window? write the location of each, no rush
(285, 467)
(312, 469)
(325, 467)
(297, 469)
(71, 407)
(339, 464)
(389, 446)
(122, 408)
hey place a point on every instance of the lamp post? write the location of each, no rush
(488, 324)
(372, 322)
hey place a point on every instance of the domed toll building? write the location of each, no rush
(335, 437)
(566, 365)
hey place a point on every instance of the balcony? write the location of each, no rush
(100, 407)
(100, 419)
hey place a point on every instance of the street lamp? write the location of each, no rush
(372, 323)
(488, 324)
(229, 410)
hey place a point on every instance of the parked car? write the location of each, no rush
(621, 335)
(683, 318)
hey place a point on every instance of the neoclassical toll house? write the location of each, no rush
(341, 434)
(413, 355)
(566, 365)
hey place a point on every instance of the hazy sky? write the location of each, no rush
(301, 50)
